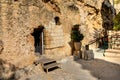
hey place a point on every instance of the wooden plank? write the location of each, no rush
(44, 61)
(51, 65)
(47, 67)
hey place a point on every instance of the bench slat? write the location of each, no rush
(51, 65)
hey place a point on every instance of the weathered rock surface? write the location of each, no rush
(6, 70)
(19, 18)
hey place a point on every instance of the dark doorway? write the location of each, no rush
(38, 39)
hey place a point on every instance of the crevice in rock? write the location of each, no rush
(1, 46)
(55, 6)
(82, 1)
(90, 13)
(73, 7)
(96, 10)
(57, 9)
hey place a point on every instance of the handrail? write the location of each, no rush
(95, 40)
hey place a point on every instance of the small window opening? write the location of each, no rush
(57, 20)
(37, 34)
(15, 0)
(45, 1)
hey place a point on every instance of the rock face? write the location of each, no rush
(108, 13)
(20, 18)
(6, 70)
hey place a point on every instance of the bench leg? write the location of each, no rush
(46, 70)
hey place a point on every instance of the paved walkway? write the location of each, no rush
(97, 69)
(77, 71)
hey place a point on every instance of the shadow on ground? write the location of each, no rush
(101, 69)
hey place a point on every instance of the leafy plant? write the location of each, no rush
(76, 36)
(116, 22)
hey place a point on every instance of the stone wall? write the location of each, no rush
(53, 36)
(114, 39)
(18, 19)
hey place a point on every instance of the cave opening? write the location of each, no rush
(38, 40)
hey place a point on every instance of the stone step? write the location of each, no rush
(112, 53)
(113, 50)
(116, 48)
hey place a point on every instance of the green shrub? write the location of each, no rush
(116, 21)
(76, 36)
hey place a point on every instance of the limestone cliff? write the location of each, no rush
(19, 19)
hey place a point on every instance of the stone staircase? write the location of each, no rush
(115, 52)
(47, 63)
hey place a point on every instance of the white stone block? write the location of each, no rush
(90, 54)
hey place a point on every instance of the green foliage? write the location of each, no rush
(116, 22)
(117, 1)
(76, 35)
